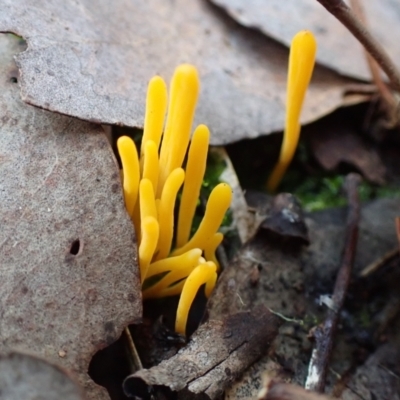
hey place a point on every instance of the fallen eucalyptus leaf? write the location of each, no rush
(94, 63)
(23, 376)
(68, 273)
(337, 48)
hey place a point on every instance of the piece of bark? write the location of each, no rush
(24, 376)
(94, 63)
(253, 278)
(69, 280)
(217, 353)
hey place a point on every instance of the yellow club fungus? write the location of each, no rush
(301, 64)
(130, 167)
(148, 244)
(217, 205)
(147, 200)
(156, 107)
(185, 87)
(177, 268)
(201, 275)
(150, 163)
(151, 189)
(166, 211)
(195, 169)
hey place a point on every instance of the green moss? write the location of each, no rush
(319, 193)
(320, 190)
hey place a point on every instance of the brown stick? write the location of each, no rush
(343, 13)
(324, 334)
(397, 223)
(389, 103)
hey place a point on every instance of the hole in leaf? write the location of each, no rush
(75, 247)
(14, 79)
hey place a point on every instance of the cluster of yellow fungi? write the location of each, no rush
(301, 64)
(153, 179)
(151, 182)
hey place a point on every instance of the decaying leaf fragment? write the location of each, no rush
(332, 147)
(94, 63)
(23, 376)
(68, 276)
(217, 353)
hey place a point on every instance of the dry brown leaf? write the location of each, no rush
(69, 282)
(335, 145)
(94, 62)
(23, 376)
(217, 353)
(337, 48)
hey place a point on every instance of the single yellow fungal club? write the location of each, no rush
(130, 168)
(301, 64)
(151, 188)
(203, 274)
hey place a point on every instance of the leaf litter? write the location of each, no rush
(69, 278)
(337, 48)
(237, 294)
(94, 63)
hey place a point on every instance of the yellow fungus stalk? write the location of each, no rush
(156, 107)
(130, 164)
(178, 268)
(166, 212)
(148, 244)
(183, 98)
(150, 163)
(217, 205)
(301, 64)
(147, 200)
(176, 289)
(195, 169)
(201, 275)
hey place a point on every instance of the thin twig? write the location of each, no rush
(388, 101)
(344, 14)
(397, 224)
(136, 363)
(324, 334)
(380, 262)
